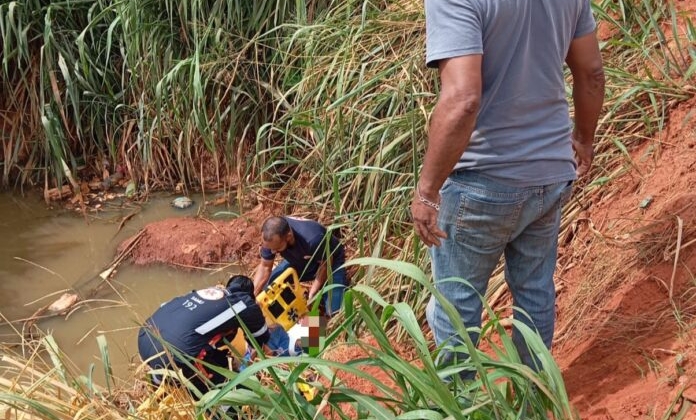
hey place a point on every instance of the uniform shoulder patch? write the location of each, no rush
(211, 293)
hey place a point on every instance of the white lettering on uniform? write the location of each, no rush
(189, 305)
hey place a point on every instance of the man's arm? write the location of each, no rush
(451, 125)
(585, 62)
(325, 262)
(320, 279)
(262, 274)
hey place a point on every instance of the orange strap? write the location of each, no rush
(204, 352)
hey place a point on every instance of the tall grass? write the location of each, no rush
(41, 382)
(269, 89)
(151, 85)
(333, 93)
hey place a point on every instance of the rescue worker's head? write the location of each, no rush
(277, 235)
(240, 283)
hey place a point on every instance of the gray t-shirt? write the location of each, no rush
(523, 131)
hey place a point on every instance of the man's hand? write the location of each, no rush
(253, 355)
(449, 130)
(425, 219)
(267, 350)
(314, 288)
(262, 274)
(320, 279)
(584, 153)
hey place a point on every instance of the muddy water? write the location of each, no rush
(46, 251)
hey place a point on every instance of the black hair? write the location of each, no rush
(274, 225)
(243, 283)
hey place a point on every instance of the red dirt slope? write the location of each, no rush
(628, 306)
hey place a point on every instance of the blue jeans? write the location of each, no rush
(279, 342)
(333, 298)
(483, 220)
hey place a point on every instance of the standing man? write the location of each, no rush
(193, 326)
(306, 246)
(500, 163)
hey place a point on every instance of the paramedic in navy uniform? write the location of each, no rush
(195, 324)
(302, 244)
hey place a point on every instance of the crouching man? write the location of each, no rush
(303, 245)
(189, 329)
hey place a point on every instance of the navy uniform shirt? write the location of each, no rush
(309, 249)
(189, 323)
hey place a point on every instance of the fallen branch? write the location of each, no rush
(70, 300)
(124, 220)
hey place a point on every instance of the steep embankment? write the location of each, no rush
(627, 271)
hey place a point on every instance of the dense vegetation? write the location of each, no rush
(328, 99)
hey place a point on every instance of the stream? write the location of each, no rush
(46, 252)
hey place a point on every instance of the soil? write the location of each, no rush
(193, 242)
(626, 298)
(626, 311)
